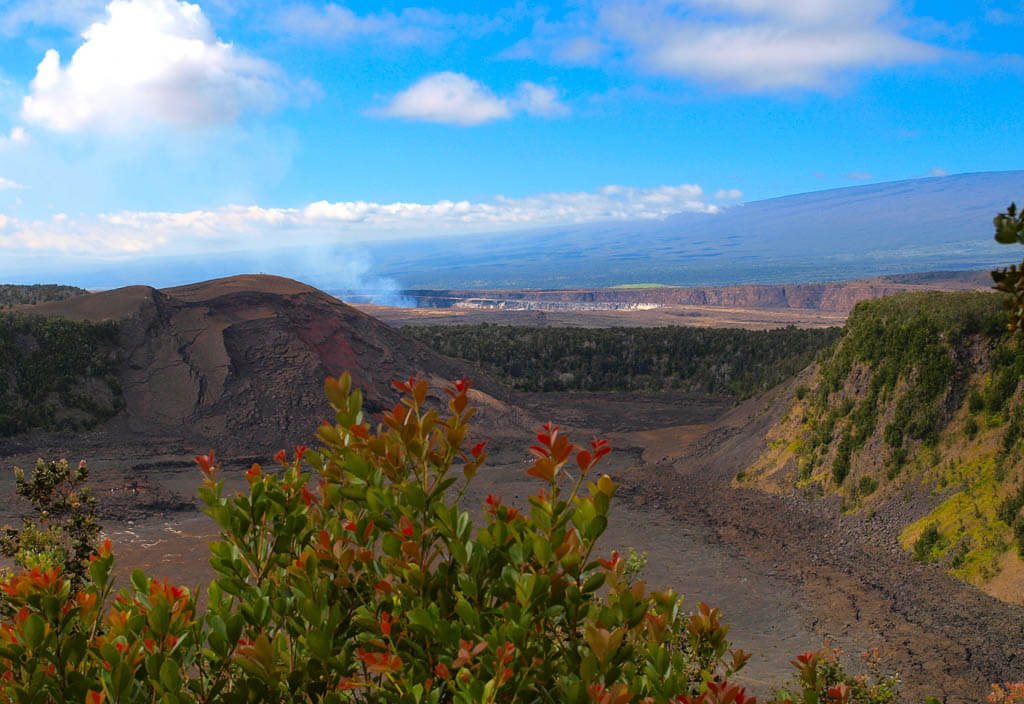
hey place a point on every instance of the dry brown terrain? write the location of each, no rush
(694, 316)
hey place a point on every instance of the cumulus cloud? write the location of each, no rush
(7, 184)
(448, 97)
(456, 99)
(132, 232)
(748, 45)
(150, 62)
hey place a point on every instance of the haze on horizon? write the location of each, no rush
(134, 132)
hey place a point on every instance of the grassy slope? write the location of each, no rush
(918, 412)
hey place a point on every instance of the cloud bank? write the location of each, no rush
(743, 45)
(132, 233)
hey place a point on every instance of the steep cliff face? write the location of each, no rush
(916, 418)
(838, 297)
(239, 363)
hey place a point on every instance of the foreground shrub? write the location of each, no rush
(66, 531)
(820, 677)
(363, 581)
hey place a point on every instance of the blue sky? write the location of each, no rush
(155, 127)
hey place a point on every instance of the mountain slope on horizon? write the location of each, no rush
(928, 224)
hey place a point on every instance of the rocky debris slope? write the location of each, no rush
(946, 638)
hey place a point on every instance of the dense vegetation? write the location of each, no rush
(916, 338)
(56, 373)
(15, 294)
(718, 361)
(922, 393)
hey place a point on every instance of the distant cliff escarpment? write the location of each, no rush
(836, 297)
(916, 418)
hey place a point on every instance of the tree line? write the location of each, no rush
(740, 363)
(56, 374)
(16, 294)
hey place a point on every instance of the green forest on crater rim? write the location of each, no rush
(739, 363)
(57, 374)
(16, 294)
(920, 398)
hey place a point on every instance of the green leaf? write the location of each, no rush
(74, 648)
(459, 551)
(170, 677)
(391, 545)
(99, 571)
(34, 630)
(159, 617)
(422, 618)
(319, 644)
(596, 527)
(140, 581)
(594, 582)
(467, 613)
(542, 549)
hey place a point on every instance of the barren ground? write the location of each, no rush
(695, 316)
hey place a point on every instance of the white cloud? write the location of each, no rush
(858, 176)
(573, 40)
(254, 227)
(413, 26)
(749, 45)
(728, 194)
(456, 99)
(937, 171)
(7, 184)
(17, 135)
(451, 98)
(150, 62)
(538, 100)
